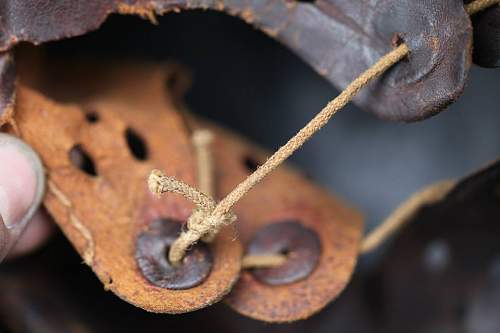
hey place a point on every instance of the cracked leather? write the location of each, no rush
(338, 38)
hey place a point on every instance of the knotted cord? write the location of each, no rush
(208, 217)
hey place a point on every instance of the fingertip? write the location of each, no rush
(22, 183)
(4, 244)
(35, 235)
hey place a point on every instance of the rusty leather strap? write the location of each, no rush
(338, 38)
(97, 153)
(135, 96)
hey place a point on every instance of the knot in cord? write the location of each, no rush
(204, 223)
(208, 217)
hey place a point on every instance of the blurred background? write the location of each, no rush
(252, 84)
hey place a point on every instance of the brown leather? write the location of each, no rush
(486, 26)
(135, 96)
(338, 38)
(51, 290)
(487, 38)
(7, 86)
(286, 195)
(100, 198)
(442, 271)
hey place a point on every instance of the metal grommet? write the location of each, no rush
(301, 245)
(152, 257)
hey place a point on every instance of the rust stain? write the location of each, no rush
(102, 213)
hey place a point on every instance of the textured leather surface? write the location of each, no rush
(338, 38)
(7, 86)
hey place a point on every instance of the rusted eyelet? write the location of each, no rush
(152, 252)
(300, 244)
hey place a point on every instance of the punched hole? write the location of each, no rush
(172, 81)
(250, 163)
(285, 252)
(82, 160)
(166, 253)
(152, 249)
(396, 40)
(136, 144)
(92, 117)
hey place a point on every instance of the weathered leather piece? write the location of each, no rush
(487, 38)
(7, 86)
(283, 196)
(125, 94)
(486, 26)
(338, 38)
(100, 198)
(442, 273)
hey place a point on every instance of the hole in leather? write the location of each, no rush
(250, 163)
(136, 144)
(285, 251)
(92, 117)
(172, 81)
(82, 160)
(396, 40)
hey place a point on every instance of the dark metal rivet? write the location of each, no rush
(152, 252)
(301, 245)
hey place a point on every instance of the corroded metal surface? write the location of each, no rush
(300, 245)
(152, 252)
(338, 38)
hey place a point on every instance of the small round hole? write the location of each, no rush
(250, 163)
(136, 144)
(92, 117)
(285, 252)
(82, 160)
(396, 40)
(172, 81)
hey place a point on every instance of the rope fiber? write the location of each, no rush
(208, 217)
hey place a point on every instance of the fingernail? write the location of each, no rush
(4, 239)
(22, 185)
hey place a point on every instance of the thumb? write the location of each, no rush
(22, 184)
